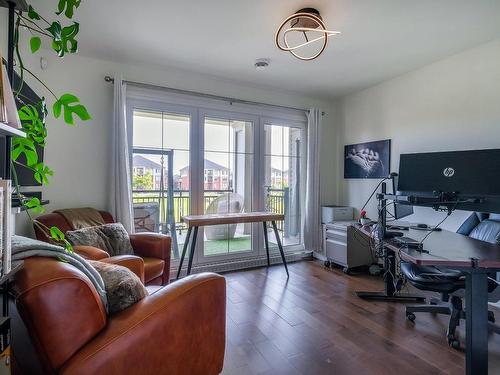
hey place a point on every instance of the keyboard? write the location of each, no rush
(410, 243)
(406, 240)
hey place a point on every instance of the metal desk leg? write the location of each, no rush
(184, 248)
(191, 253)
(266, 241)
(476, 332)
(280, 246)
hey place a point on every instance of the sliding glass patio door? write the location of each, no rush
(161, 148)
(284, 177)
(228, 183)
(192, 160)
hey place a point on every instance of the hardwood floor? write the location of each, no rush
(314, 324)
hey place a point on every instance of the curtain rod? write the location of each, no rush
(209, 96)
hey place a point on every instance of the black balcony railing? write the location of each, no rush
(275, 202)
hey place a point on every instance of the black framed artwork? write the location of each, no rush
(367, 160)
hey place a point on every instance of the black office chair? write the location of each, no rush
(451, 283)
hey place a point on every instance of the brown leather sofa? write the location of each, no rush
(177, 330)
(153, 248)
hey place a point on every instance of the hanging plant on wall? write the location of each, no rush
(61, 36)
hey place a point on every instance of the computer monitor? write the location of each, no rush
(471, 177)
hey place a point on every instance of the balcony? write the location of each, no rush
(181, 201)
(150, 209)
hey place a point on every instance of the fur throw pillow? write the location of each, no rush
(112, 238)
(123, 287)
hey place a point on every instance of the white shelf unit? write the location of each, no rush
(6, 129)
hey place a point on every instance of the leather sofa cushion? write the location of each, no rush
(153, 268)
(488, 230)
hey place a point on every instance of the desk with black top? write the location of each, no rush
(476, 258)
(196, 221)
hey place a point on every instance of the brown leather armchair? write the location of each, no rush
(177, 330)
(153, 248)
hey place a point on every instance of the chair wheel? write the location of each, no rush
(327, 263)
(411, 316)
(346, 270)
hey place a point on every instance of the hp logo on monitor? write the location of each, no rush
(448, 172)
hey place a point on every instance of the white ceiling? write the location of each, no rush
(380, 38)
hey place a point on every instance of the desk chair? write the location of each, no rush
(451, 283)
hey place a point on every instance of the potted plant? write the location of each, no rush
(61, 37)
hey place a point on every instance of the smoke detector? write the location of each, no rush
(261, 64)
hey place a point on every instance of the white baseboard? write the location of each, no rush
(319, 256)
(241, 264)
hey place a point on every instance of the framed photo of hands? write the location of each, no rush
(367, 160)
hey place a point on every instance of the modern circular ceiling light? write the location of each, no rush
(305, 31)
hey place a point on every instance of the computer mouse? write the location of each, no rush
(423, 226)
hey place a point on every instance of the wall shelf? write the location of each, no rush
(9, 130)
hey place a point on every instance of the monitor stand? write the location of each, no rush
(390, 294)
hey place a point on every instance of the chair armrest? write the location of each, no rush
(151, 245)
(178, 330)
(90, 252)
(132, 262)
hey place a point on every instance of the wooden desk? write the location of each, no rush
(476, 258)
(196, 221)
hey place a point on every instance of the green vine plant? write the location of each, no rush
(33, 115)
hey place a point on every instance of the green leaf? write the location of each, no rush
(32, 14)
(32, 124)
(26, 147)
(61, 259)
(41, 173)
(68, 247)
(64, 39)
(68, 103)
(56, 234)
(69, 5)
(35, 43)
(55, 30)
(35, 205)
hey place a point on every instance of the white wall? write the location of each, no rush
(452, 104)
(78, 155)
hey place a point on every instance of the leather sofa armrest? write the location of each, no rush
(151, 245)
(90, 252)
(159, 333)
(132, 262)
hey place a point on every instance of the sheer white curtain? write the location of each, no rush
(120, 197)
(312, 220)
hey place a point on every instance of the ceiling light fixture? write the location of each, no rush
(306, 22)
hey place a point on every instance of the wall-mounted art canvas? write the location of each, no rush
(367, 160)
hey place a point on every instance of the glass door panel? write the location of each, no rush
(283, 176)
(227, 184)
(160, 173)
